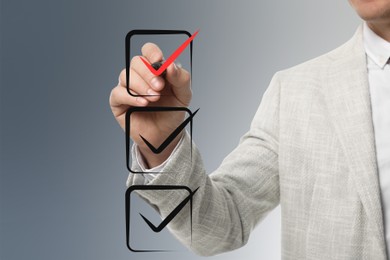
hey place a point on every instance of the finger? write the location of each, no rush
(180, 81)
(119, 97)
(138, 85)
(156, 83)
(152, 52)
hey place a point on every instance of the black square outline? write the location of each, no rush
(150, 32)
(150, 187)
(148, 109)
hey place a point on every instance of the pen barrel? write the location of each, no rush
(157, 65)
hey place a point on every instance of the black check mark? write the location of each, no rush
(133, 188)
(171, 215)
(171, 137)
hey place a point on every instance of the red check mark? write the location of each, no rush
(172, 58)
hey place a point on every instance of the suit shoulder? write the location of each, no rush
(315, 68)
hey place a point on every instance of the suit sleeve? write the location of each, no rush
(233, 199)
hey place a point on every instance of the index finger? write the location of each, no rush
(152, 52)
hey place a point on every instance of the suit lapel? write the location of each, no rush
(349, 106)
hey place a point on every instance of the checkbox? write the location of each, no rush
(141, 234)
(156, 148)
(166, 63)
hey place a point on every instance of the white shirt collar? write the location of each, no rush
(377, 48)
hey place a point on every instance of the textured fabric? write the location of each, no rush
(378, 53)
(310, 148)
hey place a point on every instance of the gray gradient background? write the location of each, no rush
(62, 180)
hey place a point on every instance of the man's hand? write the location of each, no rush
(156, 126)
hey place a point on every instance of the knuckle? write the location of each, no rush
(114, 92)
(113, 95)
(122, 76)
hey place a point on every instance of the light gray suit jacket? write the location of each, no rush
(310, 148)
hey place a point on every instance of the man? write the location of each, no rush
(318, 145)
